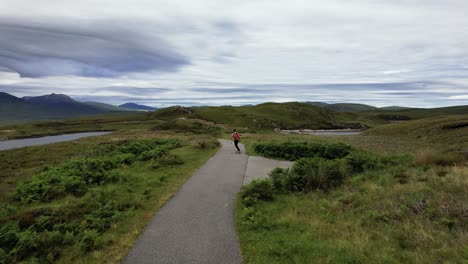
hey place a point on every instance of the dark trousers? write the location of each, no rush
(236, 143)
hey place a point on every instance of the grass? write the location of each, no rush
(395, 214)
(101, 224)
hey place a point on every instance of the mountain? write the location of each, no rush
(47, 107)
(343, 107)
(108, 107)
(13, 108)
(393, 108)
(62, 105)
(138, 107)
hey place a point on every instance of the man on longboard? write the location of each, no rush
(236, 137)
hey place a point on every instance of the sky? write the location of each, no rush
(211, 52)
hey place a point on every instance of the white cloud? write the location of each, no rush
(240, 43)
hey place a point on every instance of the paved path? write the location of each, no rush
(260, 167)
(197, 224)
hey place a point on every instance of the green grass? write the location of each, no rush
(392, 210)
(395, 214)
(101, 224)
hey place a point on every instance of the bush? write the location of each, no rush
(9, 234)
(360, 161)
(295, 151)
(3, 256)
(257, 190)
(28, 243)
(90, 240)
(75, 176)
(316, 173)
(170, 160)
(203, 143)
(153, 154)
(278, 176)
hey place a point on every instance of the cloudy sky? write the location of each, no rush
(211, 52)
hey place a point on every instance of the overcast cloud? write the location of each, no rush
(401, 52)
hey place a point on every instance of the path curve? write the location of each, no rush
(197, 224)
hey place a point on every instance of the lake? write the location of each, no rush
(26, 142)
(344, 132)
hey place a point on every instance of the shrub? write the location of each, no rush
(9, 234)
(3, 256)
(170, 160)
(28, 242)
(75, 176)
(124, 158)
(204, 143)
(153, 154)
(278, 176)
(90, 240)
(257, 190)
(316, 173)
(295, 151)
(360, 161)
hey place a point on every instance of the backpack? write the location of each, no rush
(236, 136)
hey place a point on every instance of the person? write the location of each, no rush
(236, 137)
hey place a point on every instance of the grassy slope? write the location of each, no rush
(149, 186)
(266, 116)
(415, 113)
(407, 214)
(451, 131)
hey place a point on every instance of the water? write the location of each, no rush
(323, 132)
(26, 142)
(335, 133)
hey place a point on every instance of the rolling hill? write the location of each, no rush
(266, 116)
(415, 113)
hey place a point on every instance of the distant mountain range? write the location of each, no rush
(350, 107)
(49, 107)
(138, 107)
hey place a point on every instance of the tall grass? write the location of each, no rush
(385, 210)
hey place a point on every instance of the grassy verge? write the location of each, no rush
(92, 201)
(361, 208)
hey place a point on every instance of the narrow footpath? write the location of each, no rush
(197, 224)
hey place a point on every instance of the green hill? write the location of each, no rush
(451, 130)
(415, 113)
(265, 116)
